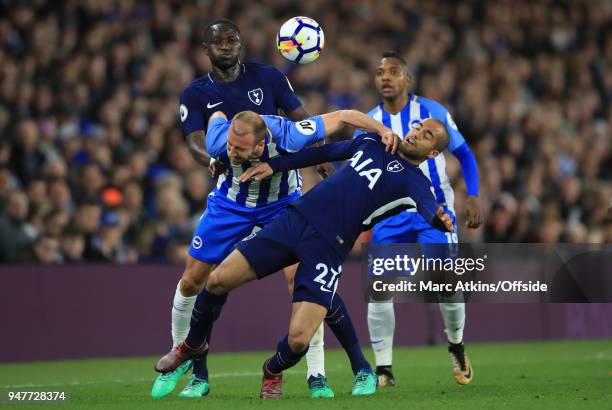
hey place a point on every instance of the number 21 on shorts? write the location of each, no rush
(328, 277)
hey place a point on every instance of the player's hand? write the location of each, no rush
(257, 172)
(391, 141)
(215, 168)
(473, 212)
(446, 220)
(325, 170)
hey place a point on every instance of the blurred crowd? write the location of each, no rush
(93, 166)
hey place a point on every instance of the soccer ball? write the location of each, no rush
(300, 40)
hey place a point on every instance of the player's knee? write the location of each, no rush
(298, 340)
(192, 284)
(214, 283)
(190, 287)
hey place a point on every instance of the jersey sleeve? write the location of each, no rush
(284, 96)
(337, 151)
(420, 190)
(293, 136)
(318, 155)
(469, 168)
(191, 114)
(458, 146)
(216, 136)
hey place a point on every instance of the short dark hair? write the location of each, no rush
(394, 54)
(222, 22)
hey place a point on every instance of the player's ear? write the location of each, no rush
(408, 78)
(433, 153)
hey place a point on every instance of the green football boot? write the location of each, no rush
(365, 383)
(319, 388)
(195, 388)
(166, 382)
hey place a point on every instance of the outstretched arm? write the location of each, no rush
(305, 158)
(335, 121)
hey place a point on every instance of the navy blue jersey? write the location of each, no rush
(371, 186)
(259, 87)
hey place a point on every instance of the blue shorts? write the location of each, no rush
(291, 239)
(411, 227)
(223, 225)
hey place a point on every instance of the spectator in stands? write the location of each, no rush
(72, 245)
(46, 250)
(89, 109)
(15, 235)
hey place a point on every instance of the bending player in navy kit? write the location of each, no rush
(319, 231)
(236, 210)
(231, 87)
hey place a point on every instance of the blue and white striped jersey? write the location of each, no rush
(284, 137)
(418, 109)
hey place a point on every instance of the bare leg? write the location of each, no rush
(233, 272)
(306, 318)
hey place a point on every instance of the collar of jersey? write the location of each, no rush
(411, 97)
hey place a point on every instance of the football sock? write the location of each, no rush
(181, 315)
(381, 323)
(315, 358)
(284, 357)
(453, 315)
(340, 323)
(200, 366)
(206, 310)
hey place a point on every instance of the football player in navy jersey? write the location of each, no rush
(319, 231)
(237, 210)
(231, 87)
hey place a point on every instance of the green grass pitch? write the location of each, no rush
(540, 375)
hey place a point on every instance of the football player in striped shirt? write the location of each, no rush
(400, 110)
(235, 211)
(318, 232)
(232, 86)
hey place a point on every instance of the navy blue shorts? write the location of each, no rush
(290, 239)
